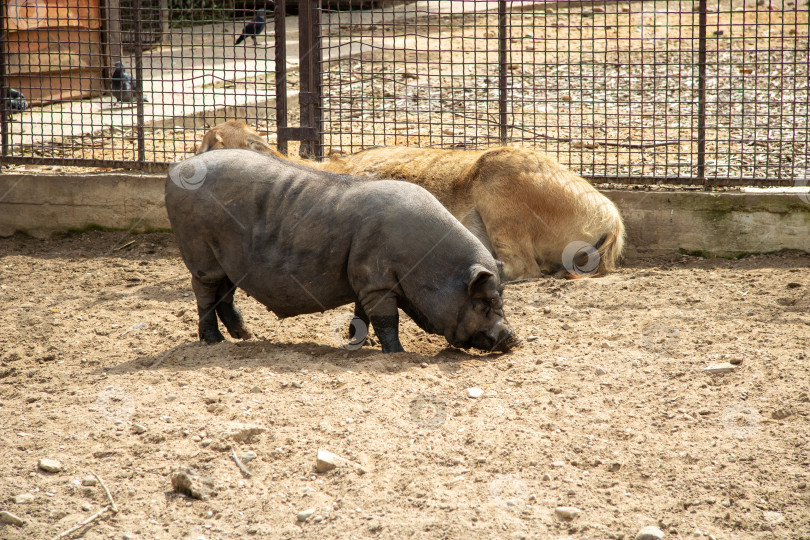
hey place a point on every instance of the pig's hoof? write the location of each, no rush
(240, 333)
(392, 349)
(211, 336)
(232, 320)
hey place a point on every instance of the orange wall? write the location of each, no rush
(54, 49)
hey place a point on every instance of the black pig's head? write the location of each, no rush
(481, 320)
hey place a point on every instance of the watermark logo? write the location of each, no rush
(653, 22)
(115, 403)
(509, 492)
(802, 186)
(660, 337)
(741, 420)
(581, 259)
(421, 98)
(26, 14)
(189, 174)
(348, 331)
(428, 411)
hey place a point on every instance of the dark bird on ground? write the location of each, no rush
(254, 27)
(123, 85)
(16, 100)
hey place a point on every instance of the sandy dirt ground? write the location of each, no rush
(606, 408)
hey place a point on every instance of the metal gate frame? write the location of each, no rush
(310, 97)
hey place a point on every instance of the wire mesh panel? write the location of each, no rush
(691, 92)
(181, 71)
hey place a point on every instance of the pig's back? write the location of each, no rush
(271, 225)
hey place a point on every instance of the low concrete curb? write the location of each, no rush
(709, 224)
(40, 205)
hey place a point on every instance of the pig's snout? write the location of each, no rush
(503, 337)
(500, 337)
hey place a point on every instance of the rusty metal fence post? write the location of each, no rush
(309, 99)
(701, 142)
(139, 82)
(281, 72)
(3, 89)
(316, 145)
(502, 51)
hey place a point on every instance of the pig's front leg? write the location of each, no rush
(381, 309)
(387, 329)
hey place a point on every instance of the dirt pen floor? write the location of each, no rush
(606, 408)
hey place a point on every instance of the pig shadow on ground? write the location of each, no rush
(282, 357)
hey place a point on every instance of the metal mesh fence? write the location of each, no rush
(703, 92)
(182, 73)
(688, 92)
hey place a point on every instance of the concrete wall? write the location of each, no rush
(723, 224)
(714, 224)
(43, 204)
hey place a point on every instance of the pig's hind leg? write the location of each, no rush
(206, 293)
(215, 297)
(228, 313)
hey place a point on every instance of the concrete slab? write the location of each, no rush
(709, 224)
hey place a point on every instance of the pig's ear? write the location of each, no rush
(501, 276)
(482, 283)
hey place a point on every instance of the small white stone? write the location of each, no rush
(11, 519)
(567, 512)
(23, 498)
(723, 367)
(248, 456)
(600, 370)
(49, 465)
(243, 433)
(137, 428)
(326, 461)
(650, 533)
(89, 481)
(558, 464)
(474, 393)
(773, 517)
(305, 514)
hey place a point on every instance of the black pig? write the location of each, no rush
(300, 240)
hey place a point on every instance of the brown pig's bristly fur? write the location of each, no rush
(523, 205)
(235, 134)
